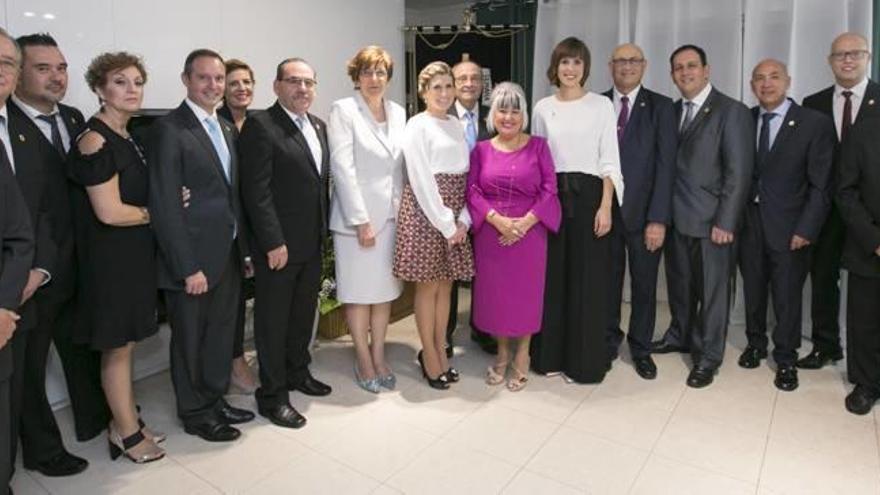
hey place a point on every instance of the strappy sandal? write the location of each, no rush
(122, 447)
(495, 373)
(518, 381)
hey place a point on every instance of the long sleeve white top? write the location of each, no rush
(582, 135)
(431, 146)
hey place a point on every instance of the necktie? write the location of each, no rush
(217, 140)
(623, 117)
(56, 133)
(4, 154)
(311, 139)
(688, 115)
(846, 121)
(763, 151)
(470, 132)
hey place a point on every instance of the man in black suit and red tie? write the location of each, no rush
(788, 201)
(37, 99)
(852, 98)
(201, 247)
(284, 182)
(16, 254)
(648, 144)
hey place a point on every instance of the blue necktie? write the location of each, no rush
(217, 140)
(470, 132)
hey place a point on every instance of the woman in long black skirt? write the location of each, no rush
(581, 129)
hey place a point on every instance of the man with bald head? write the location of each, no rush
(851, 99)
(788, 201)
(647, 142)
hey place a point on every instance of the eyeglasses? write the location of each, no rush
(370, 73)
(852, 55)
(624, 62)
(300, 81)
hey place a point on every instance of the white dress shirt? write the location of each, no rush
(304, 124)
(45, 127)
(632, 95)
(461, 111)
(698, 104)
(858, 94)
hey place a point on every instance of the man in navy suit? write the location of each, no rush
(648, 142)
(200, 246)
(787, 204)
(851, 99)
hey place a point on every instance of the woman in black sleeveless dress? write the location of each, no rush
(115, 247)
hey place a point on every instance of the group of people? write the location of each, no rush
(95, 222)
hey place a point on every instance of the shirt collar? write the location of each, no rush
(4, 112)
(461, 111)
(701, 96)
(294, 116)
(631, 95)
(32, 112)
(200, 112)
(780, 110)
(858, 90)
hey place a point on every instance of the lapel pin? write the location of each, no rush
(706, 110)
(642, 104)
(21, 138)
(791, 123)
(227, 129)
(871, 102)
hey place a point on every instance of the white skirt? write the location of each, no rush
(363, 275)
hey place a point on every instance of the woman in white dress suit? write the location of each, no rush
(367, 165)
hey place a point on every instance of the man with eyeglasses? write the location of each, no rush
(201, 246)
(284, 183)
(647, 142)
(852, 98)
(468, 78)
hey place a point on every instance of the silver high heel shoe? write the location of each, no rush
(388, 381)
(370, 385)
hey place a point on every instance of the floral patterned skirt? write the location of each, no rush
(422, 254)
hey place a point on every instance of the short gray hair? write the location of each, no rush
(507, 95)
(5, 34)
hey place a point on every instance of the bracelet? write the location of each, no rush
(490, 214)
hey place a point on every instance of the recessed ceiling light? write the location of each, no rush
(48, 16)
(29, 14)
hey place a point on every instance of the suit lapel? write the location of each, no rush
(636, 112)
(367, 117)
(871, 100)
(701, 115)
(229, 136)
(196, 128)
(292, 130)
(790, 121)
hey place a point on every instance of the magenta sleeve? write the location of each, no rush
(546, 206)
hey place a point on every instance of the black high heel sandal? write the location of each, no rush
(452, 375)
(440, 383)
(120, 446)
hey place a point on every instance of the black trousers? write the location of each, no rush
(284, 314)
(6, 452)
(863, 331)
(643, 267)
(701, 270)
(202, 331)
(784, 273)
(825, 280)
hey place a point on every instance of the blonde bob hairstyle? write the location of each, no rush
(431, 71)
(369, 57)
(507, 96)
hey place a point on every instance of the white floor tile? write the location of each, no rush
(509, 435)
(314, 473)
(662, 476)
(529, 483)
(790, 469)
(631, 422)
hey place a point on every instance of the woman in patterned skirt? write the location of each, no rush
(432, 245)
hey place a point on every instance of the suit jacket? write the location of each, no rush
(16, 253)
(64, 272)
(858, 197)
(200, 237)
(647, 159)
(794, 181)
(367, 164)
(482, 130)
(285, 198)
(713, 167)
(823, 102)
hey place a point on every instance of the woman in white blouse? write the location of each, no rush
(365, 131)
(432, 245)
(580, 127)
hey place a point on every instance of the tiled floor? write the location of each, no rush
(625, 435)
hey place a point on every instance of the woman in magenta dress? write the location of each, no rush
(512, 202)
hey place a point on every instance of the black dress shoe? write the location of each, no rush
(663, 347)
(817, 359)
(645, 367)
(700, 377)
(283, 415)
(212, 431)
(861, 400)
(311, 386)
(232, 415)
(751, 357)
(63, 464)
(786, 378)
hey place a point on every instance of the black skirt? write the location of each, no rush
(576, 297)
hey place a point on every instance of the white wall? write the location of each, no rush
(261, 32)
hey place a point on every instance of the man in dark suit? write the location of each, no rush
(647, 142)
(853, 97)
(16, 254)
(858, 197)
(199, 246)
(468, 78)
(712, 177)
(788, 201)
(285, 167)
(37, 98)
